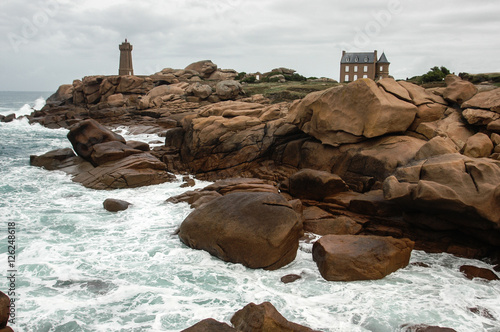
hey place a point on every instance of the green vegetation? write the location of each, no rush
(436, 74)
(287, 91)
(493, 78)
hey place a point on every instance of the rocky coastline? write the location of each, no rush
(375, 168)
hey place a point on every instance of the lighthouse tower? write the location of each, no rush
(126, 59)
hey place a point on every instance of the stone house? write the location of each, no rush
(363, 65)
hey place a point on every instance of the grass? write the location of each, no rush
(288, 91)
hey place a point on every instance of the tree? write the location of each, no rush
(436, 74)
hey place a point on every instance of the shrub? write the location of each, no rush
(240, 75)
(249, 79)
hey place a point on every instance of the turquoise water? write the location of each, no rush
(81, 268)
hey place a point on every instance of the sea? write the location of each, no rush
(70, 265)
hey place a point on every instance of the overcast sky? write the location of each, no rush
(46, 43)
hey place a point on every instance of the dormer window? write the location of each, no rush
(347, 59)
(366, 59)
(356, 59)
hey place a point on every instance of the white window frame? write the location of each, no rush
(346, 78)
(346, 69)
(355, 77)
(355, 69)
(366, 69)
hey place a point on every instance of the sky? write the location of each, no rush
(46, 43)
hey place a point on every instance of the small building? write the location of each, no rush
(125, 59)
(363, 65)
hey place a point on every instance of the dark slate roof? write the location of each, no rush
(360, 57)
(383, 59)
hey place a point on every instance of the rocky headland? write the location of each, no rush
(376, 168)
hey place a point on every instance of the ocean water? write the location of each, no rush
(81, 268)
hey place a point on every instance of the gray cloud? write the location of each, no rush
(46, 43)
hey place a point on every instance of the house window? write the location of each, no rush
(366, 69)
(346, 78)
(381, 68)
(355, 77)
(356, 59)
(365, 76)
(346, 69)
(355, 69)
(366, 59)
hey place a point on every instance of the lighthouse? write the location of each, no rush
(125, 59)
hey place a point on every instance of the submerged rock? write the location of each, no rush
(258, 230)
(472, 272)
(209, 325)
(115, 205)
(264, 317)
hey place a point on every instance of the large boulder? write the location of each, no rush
(258, 230)
(316, 185)
(352, 113)
(358, 257)
(228, 89)
(200, 90)
(459, 91)
(204, 67)
(87, 133)
(264, 317)
(478, 146)
(463, 190)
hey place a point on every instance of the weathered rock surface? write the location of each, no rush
(316, 185)
(352, 113)
(258, 230)
(115, 205)
(264, 317)
(466, 190)
(356, 257)
(134, 171)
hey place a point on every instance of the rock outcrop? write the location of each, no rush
(356, 257)
(104, 160)
(457, 189)
(258, 230)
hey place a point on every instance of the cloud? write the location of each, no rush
(50, 42)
